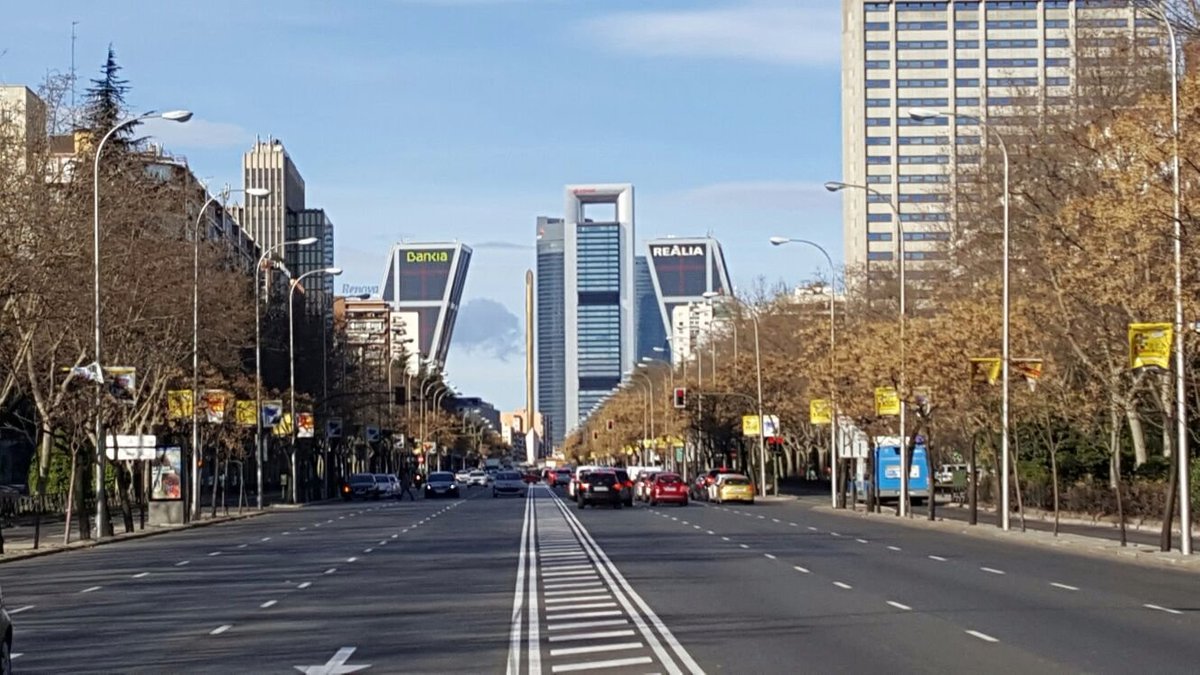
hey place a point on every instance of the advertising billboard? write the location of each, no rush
(424, 273)
(166, 473)
(680, 269)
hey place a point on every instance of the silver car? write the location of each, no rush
(509, 483)
(6, 630)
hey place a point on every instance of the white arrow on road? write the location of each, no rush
(335, 666)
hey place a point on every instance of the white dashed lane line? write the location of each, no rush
(1160, 608)
(214, 554)
(982, 636)
(18, 610)
(181, 563)
(937, 558)
(768, 556)
(802, 570)
(992, 570)
(893, 548)
(331, 570)
(220, 629)
(898, 605)
(842, 585)
(141, 575)
(1065, 587)
(304, 585)
(91, 589)
(862, 541)
(268, 604)
(243, 545)
(743, 546)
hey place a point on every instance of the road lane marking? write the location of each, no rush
(937, 558)
(898, 605)
(331, 570)
(286, 533)
(573, 584)
(1064, 586)
(802, 570)
(304, 529)
(214, 554)
(18, 610)
(982, 636)
(585, 598)
(368, 550)
(592, 649)
(835, 534)
(571, 608)
(141, 575)
(580, 591)
(589, 615)
(775, 520)
(992, 570)
(843, 585)
(220, 629)
(711, 532)
(743, 546)
(589, 624)
(551, 569)
(769, 556)
(793, 525)
(304, 585)
(351, 559)
(594, 635)
(243, 545)
(396, 535)
(181, 563)
(268, 604)
(596, 665)
(1160, 608)
(524, 564)
(862, 541)
(91, 588)
(893, 548)
(810, 527)
(725, 538)
(383, 542)
(762, 517)
(697, 527)
(265, 539)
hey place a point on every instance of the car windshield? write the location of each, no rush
(601, 478)
(441, 477)
(361, 478)
(508, 475)
(736, 481)
(622, 476)
(668, 480)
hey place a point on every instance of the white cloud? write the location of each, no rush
(757, 195)
(778, 33)
(196, 133)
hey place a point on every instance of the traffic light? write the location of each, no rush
(680, 397)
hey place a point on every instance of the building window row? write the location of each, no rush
(920, 25)
(879, 102)
(921, 140)
(924, 217)
(921, 44)
(922, 63)
(922, 83)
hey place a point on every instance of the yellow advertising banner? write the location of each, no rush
(179, 404)
(284, 426)
(887, 402)
(819, 411)
(244, 413)
(985, 370)
(1150, 345)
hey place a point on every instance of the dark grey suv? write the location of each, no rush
(600, 487)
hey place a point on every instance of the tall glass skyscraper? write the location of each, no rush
(550, 318)
(682, 271)
(651, 332)
(424, 283)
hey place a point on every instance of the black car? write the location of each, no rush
(361, 486)
(600, 487)
(441, 484)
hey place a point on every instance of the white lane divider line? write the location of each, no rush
(182, 563)
(589, 615)
(697, 527)
(584, 598)
(589, 624)
(304, 585)
(594, 635)
(214, 554)
(368, 550)
(220, 629)
(592, 649)
(286, 533)
(743, 546)
(862, 541)
(351, 559)
(331, 570)
(572, 608)
(893, 548)
(268, 604)
(573, 584)
(812, 529)
(710, 532)
(793, 525)
(982, 636)
(802, 570)
(577, 591)
(842, 585)
(18, 610)
(141, 575)
(769, 556)
(304, 529)
(243, 545)
(724, 538)
(265, 539)
(835, 534)
(899, 605)
(937, 558)
(775, 520)
(1065, 587)
(597, 665)
(1160, 608)
(396, 535)
(383, 542)
(992, 570)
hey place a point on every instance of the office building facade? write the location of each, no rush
(423, 283)
(650, 330)
(989, 59)
(550, 347)
(267, 165)
(318, 289)
(598, 291)
(683, 270)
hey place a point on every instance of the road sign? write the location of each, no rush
(336, 665)
(129, 448)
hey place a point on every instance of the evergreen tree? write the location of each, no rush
(105, 104)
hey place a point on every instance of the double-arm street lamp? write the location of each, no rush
(330, 271)
(196, 236)
(101, 501)
(838, 186)
(258, 425)
(833, 459)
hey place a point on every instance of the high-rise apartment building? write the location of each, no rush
(22, 124)
(550, 348)
(423, 283)
(268, 165)
(987, 59)
(598, 294)
(683, 270)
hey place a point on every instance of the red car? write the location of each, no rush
(668, 487)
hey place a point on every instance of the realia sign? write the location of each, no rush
(676, 251)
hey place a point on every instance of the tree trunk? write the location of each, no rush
(1114, 440)
(216, 473)
(1138, 433)
(973, 482)
(44, 454)
(124, 486)
(1016, 477)
(1054, 483)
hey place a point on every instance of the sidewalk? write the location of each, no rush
(1066, 542)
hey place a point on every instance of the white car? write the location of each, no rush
(477, 478)
(462, 475)
(508, 483)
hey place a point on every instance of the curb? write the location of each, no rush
(1064, 543)
(1047, 517)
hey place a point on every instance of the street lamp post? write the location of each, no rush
(258, 426)
(833, 459)
(762, 435)
(221, 196)
(101, 499)
(1181, 431)
(647, 412)
(333, 272)
(837, 186)
(923, 114)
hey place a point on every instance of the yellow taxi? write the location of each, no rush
(731, 487)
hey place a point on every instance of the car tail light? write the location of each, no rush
(345, 488)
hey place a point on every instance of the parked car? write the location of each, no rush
(708, 480)
(462, 475)
(599, 487)
(479, 478)
(361, 486)
(668, 487)
(6, 638)
(441, 484)
(389, 485)
(626, 486)
(641, 488)
(731, 487)
(508, 483)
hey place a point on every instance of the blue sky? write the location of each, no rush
(464, 119)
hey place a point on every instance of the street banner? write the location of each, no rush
(125, 448)
(244, 413)
(1030, 369)
(923, 396)
(283, 427)
(272, 413)
(1150, 345)
(887, 402)
(985, 370)
(165, 473)
(122, 382)
(305, 425)
(769, 426)
(89, 373)
(215, 402)
(179, 404)
(333, 427)
(372, 433)
(819, 411)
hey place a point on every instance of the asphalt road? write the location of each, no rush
(537, 585)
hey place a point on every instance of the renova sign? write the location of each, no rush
(426, 256)
(676, 251)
